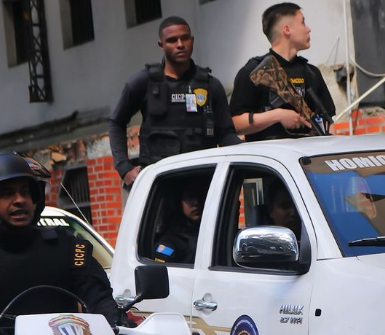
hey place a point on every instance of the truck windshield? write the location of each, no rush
(351, 191)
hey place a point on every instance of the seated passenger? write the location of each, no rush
(281, 209)
(178, 244)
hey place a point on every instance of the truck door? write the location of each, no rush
(168, 233)
(269, 299)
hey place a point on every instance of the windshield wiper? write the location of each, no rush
(368, 242)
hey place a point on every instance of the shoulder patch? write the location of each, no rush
(80, 254)
(164, 250)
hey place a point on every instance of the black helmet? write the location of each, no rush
(39, 171)
(13, 166)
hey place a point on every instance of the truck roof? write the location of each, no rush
(291, 148)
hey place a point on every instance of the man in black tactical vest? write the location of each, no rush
(183, 107)
(256, 110)
(32, 256)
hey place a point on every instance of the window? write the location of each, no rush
(202, 2)
(77, 22)
(142, 11)
(74, 194)
(17, 30)
(172, 216)
(253, 197)
(351, 191)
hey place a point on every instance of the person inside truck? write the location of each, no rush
(178, 243)
(281, 209)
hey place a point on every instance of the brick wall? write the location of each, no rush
(105, 195)
(51, 199)
(363, 123)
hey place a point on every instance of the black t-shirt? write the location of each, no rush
(247, 97)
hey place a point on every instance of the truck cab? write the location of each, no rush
(318, 269)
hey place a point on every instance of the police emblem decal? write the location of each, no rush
(201, 96)
(69, 324)
(244, 325)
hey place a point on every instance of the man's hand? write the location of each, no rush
(131, 175)
(290, 119)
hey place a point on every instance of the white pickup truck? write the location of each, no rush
(251, 275)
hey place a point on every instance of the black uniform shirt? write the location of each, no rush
(247, 97)
(178, 244)
(53, 258)
(134, 98)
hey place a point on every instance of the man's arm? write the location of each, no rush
(250, 122)
(88, 279)
(130, 102)
(248, 101)
(224, 128)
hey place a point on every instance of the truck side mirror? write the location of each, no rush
(151, 282)
(258, 246)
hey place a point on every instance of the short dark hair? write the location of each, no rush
(272, 14)
(274, 188)
(172, 21)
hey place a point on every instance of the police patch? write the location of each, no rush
(164, 250)
(201, 96)
(79, 255)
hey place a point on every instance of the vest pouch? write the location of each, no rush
(162, 144)
(193, 139)
(157, 98)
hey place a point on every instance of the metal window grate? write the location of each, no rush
(82, 21)
(40, 89)
(75, 181)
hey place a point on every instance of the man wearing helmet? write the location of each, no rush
(31, 256)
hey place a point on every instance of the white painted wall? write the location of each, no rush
(91, 76)
(230, 32)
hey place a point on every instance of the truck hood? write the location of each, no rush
(377, 260)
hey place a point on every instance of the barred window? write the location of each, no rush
(142, 11)
(17, 30)
(82, 21)
(202, 2)
(74, 194)
(77, 22)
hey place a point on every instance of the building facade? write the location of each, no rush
(63, 65)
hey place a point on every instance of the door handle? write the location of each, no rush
(201, 305)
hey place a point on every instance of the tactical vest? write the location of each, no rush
(168, 127)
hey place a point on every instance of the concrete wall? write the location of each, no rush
(230, 32)
(91, 76)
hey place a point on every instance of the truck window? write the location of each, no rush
(253, 197)
(171, 220)
(350, 189)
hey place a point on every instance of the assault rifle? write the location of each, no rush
(270, 73)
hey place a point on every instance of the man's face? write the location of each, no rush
(16, 205)
(192, 205)
(177, 43)
(284, 213)
(299, 32)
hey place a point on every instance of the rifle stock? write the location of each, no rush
(270, 73)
